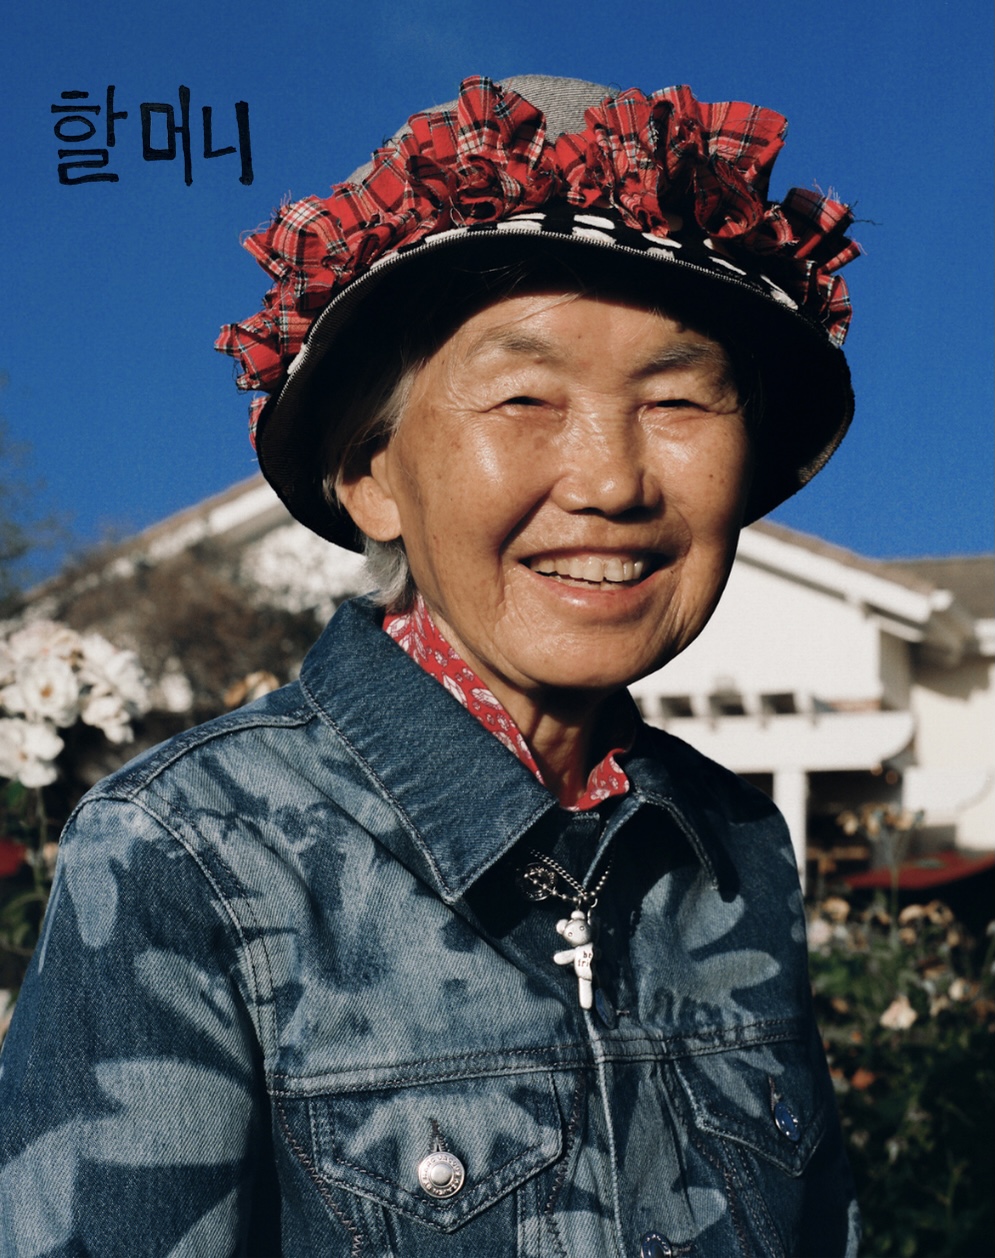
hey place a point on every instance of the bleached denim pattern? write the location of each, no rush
(286, 950)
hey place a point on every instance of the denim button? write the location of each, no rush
(786, 1122)
(441, 1174)
(655, 1246)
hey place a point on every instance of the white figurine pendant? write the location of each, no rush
(576, 930)
(539, 881)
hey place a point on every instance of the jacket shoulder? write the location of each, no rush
(230, 736)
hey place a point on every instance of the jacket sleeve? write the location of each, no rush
(131, 1110)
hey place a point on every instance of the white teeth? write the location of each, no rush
(590, 568)
(587, 568)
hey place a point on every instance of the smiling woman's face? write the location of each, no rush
(569, 478)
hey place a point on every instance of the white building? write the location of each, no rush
(829, 679)
(833, 680)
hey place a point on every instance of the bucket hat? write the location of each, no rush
(664, 188)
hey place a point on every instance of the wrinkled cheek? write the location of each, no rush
(696, 597)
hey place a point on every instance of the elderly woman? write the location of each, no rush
(441, 950)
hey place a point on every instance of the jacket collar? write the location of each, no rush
(462, 798)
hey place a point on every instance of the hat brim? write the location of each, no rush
(807, 401)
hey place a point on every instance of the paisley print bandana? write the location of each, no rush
(417, 634)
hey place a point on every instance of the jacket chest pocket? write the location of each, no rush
(766, 1098)
(761, 1113)
(494, 1134)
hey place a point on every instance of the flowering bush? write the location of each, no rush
(202, 620)
(906, 1002)
(51, 678)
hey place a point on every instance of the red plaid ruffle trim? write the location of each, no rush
(657, 160)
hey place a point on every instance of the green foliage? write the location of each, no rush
(907, 1011)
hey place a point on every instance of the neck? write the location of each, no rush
(569, 732)
(566, 732)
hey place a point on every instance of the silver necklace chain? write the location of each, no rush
(541, 879)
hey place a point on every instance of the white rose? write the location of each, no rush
(819, 932)
(44, 638)
(28, 751)
(174, 692)
(10, 745)
(107, 713)
(44, 689)
(899, 1015)
(112, 671)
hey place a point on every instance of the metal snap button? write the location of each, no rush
(654, 1245)
(441, 1174)
(786, 1122)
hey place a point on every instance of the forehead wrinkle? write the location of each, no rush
(520, 339)
(512, 338)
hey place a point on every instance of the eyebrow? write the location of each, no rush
(687, 354)
(672, 357)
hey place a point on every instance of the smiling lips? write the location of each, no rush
(590, 570)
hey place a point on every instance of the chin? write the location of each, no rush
(589, 674)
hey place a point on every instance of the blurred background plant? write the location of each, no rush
(59, 691)
(906, 1003)
(888, 830)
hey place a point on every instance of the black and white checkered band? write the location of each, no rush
(692, 251)
(690, 248)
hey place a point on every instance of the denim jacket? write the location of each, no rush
(287, 970)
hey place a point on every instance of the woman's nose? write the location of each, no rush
(605, 469)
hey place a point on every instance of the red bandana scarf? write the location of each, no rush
(416, 633)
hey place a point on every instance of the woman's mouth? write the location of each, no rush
(592, 571)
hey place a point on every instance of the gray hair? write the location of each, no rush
(371, 417)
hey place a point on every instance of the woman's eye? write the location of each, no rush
(674, 403)
(523, 400)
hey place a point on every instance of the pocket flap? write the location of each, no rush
(768, 1098)
(502, 1130)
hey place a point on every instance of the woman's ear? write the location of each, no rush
(368, 498)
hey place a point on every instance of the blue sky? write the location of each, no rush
(116, 290)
